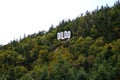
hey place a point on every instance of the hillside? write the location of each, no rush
(92, 52)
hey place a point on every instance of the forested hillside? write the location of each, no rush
(92, 52)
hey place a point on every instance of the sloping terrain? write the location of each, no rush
(92, 52)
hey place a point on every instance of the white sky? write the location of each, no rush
(30, 16)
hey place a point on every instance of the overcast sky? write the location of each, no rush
(30, 16)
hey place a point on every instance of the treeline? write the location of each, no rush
(92, 53)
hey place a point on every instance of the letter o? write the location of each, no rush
(65, 34)
(69, 34)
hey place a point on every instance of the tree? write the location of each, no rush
(102, 74)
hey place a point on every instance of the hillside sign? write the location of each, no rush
(63, 35)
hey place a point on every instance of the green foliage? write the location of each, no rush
(92, 53)
(102, 74)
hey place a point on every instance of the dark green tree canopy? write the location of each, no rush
(92, 52)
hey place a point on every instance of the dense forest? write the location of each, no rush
(92, 52)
